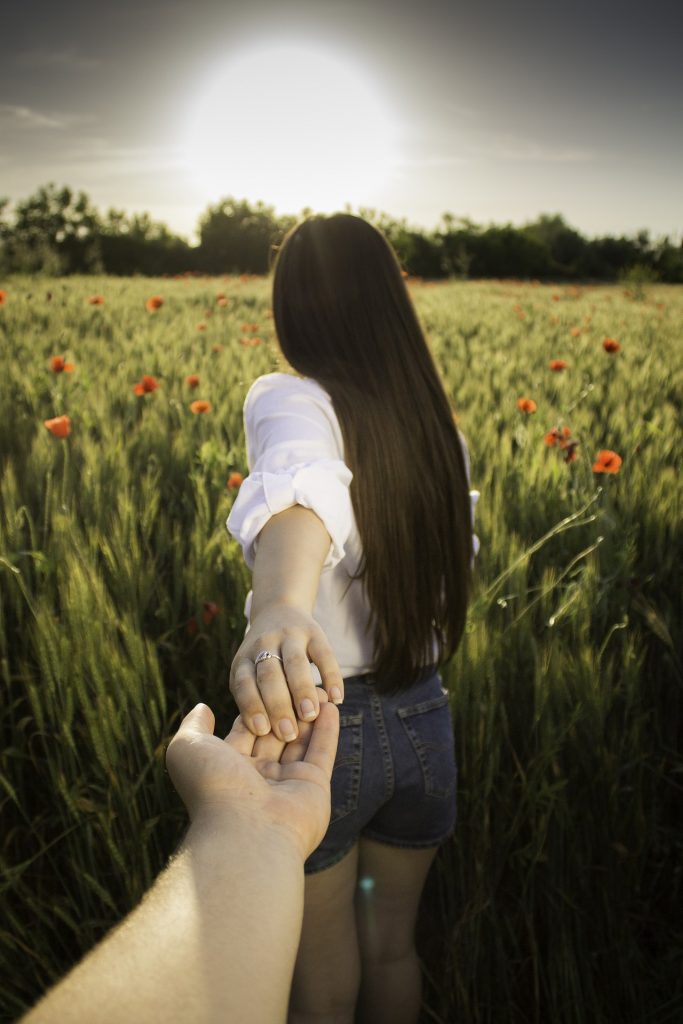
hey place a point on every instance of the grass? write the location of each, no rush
(556, 899)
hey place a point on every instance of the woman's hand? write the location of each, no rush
(275, 694)
(264, 781)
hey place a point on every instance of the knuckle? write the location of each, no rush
(292, 632)
(328, 663)
(297, 663)
(242, 690)
(264, 641)
(333, 672)
(268, 672)
(240, 673)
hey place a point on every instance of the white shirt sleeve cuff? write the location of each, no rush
(323, 487)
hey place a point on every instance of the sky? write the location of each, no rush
(494, 111)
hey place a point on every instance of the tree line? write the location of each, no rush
(58, 231)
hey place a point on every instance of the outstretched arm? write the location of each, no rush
(215, 939)
(291, 551)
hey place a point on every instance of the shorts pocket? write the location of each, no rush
(429, 728)
(347, 766)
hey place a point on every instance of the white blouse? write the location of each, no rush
(295, 455)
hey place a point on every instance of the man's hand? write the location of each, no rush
(263, 780)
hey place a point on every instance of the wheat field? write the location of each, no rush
(121, 604)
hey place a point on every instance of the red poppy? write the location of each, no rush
(146, 385)
(221, 301)
(555, 298)
(607, 462)
(201, 326)
(244, 278)
(58, 365)
(154, 302)
(217, 347)
(211, 610)
(192, 381)
(610, 345)
(526, 405)
(570, 453)
(558, 364)
(558, 437)
(3, 296)
(234, 481)
(96, 300)
(250, 342)
(575, 332)
(60, 426)
(200, 406)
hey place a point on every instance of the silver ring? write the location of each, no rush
(264, 655)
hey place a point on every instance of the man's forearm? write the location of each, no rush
(290, 554)
(215, 939)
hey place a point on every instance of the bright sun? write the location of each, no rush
(294, 126)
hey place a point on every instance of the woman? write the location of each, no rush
(357, 523)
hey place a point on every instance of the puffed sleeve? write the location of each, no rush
(295, 457)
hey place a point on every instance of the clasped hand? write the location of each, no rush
(262, 781)
(282, 695)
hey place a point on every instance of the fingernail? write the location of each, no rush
(307, 707)
(287, 729)
(335, 694)
(261, 724)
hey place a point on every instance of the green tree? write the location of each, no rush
(564, 246)
(55, 230)
(237, 237)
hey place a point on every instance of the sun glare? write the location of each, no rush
(294, 126)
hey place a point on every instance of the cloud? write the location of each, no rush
(17, 121)
(25, 116)
(93, 159)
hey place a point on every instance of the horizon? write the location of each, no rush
(193, 239)
(494, 115)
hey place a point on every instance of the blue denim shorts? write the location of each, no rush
(395, 774)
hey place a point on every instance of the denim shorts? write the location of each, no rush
(395, 774)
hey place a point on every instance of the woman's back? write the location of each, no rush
(295, 452)
(345, 319)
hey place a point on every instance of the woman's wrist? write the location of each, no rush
(275, 604)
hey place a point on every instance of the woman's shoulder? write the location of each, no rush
(279, 386)
(281, 402)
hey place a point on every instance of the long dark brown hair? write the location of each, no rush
(344, 318)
